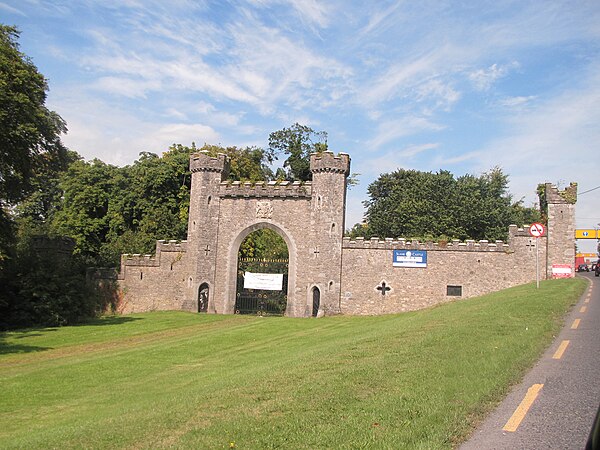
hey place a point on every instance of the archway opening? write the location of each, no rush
(316, 301)
(203, 292)
(262, 274)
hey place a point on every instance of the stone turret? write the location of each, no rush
(328, 202)
(207, 174)
(561, 225)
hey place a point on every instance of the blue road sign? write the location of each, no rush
(410, 258)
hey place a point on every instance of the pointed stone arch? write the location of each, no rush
(232, 262)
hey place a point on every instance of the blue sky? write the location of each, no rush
(427, 85)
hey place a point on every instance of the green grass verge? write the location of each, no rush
(173, 379)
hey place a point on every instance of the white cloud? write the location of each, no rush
(484, 79)
(389, 131)
(112, 133)
(378, 17)
(442, 94)
(445, 161)
(280, 71)
(11, 10)
(516, 102)
(126, 87)
(399, 77)
(312, 11)
(177, 133)
(413, 150)
(552, 140)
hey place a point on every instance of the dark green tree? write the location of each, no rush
(438, 206)
(298, 142)
(110, 211)
(29, 132)
(87, 188)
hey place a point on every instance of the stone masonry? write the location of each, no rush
(352, 276)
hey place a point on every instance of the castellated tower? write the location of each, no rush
(328, 202)
(207, 174)
(561, 225)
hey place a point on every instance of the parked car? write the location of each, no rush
(597, 270)
(583, 268)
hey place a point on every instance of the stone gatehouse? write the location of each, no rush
(350, 276)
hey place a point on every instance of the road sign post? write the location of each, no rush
(537, 230)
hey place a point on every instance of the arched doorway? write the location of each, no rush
(203, 292)
(262, 274)
(316, 301)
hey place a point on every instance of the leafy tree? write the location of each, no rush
(110, 211)
(246, 164)
(298, 142)
(264, 244)
(87, 190)
(29, 132)
(45, 285)
(426, 205)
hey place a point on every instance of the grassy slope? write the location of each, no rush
(414, 380)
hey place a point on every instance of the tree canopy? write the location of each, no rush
(426, 205)
(29, 132)
(298, 142)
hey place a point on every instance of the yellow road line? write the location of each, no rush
(575, 324)
(561, 349)
(519, 414)
(587, 300)
(583, 309)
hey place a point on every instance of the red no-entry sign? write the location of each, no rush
(537, 230)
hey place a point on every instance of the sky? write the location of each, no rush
(429, 85)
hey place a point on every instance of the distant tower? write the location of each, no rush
(203, 224)
(329, 179)
(561, 225)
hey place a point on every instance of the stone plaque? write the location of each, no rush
(264, 210)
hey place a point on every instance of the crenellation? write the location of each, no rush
(203, 162)
(566, 196)
(401, 244)
(328, 162)
(137, 259)
(171, 246)
(228, 189)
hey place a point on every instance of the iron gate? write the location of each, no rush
(258, 301)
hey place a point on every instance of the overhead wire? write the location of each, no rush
(589, 190)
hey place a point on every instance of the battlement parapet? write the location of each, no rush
(516, 232)
(171, 246)
(272, 189)
(137, 259)
(203, 162)
(404, 244)
(328, 162)
(566, 196)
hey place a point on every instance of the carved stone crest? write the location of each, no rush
(264, 210)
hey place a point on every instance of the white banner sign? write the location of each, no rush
(264, 281)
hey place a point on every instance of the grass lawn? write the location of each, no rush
(175, 379)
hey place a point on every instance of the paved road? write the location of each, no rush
(567, 383)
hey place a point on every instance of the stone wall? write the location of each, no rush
(476, 267)
(156, 282)
(352, 276)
